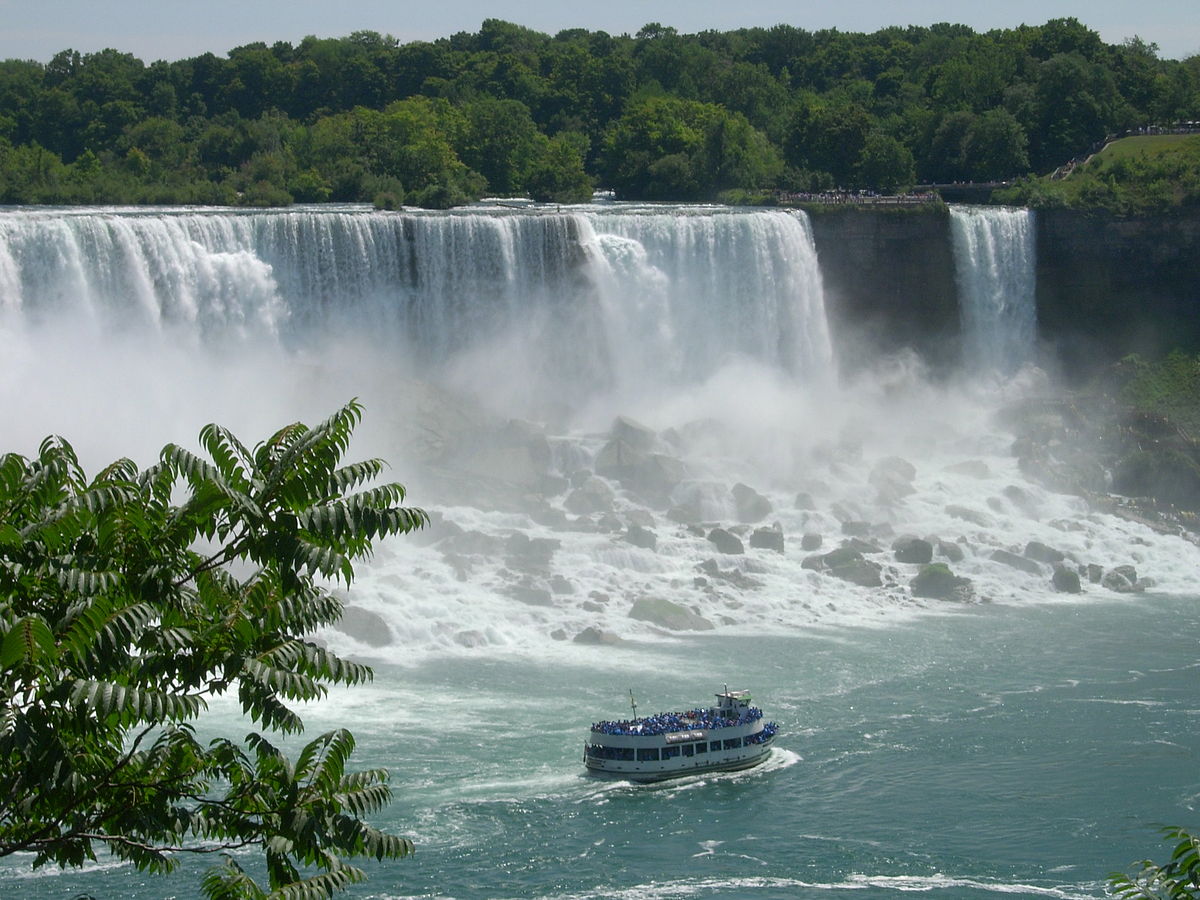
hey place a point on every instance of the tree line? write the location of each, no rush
(509, 111)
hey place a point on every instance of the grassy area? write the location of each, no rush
(1135, 176)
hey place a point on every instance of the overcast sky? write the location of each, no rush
(174, 29)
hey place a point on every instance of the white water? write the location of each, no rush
(994, 253)
(124, 330)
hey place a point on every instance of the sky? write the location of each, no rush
(175, 29)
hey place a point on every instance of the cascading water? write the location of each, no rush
(538, 312)
(994, 255)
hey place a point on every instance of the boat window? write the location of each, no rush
(689, 749)
(702, 747)
(648, 754)
(670, 752)
(714, 746)
(733, 743)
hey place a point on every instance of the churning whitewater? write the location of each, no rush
(628, 421)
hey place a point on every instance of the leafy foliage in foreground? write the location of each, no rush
(128, 600)
(1178, 879)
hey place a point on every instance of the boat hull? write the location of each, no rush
(608, 769)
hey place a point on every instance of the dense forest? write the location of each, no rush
(509, 111)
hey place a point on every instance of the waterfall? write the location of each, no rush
(994, 254)
(542, 308)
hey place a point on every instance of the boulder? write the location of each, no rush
(751, 506)
(1094, 573)
(1021, 499)
(858, 545)
(1017, 562)
(725, 541)
(862, 572)
(667, 614)
(1040, 552)
(810, 540)
(365, 626)
(1122, 579)
(523, 552)
(856, 528)
(913, 550)
(594, 636)
(767, 539)
(592, 496)
(529, 595)
(893, 478)
(950, 550)
(1066, 580)
(804, 500)
(560, 584)
(972, 468)
(937, 582)
(641, 537)
(634, 434)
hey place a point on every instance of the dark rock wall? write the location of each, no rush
(889, 283)
(1105, 286)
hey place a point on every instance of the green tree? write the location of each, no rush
(128, 600)
(1178, 879)
(885, 165)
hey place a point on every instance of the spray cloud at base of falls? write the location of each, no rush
(493, 352)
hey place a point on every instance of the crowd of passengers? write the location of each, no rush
(664, 723)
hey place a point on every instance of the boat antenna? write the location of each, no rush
(633, 703)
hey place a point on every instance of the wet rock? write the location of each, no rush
(972, 468)
(599, 596)
(641, 537)
(470, 639)
(550, 517)
(609, 522)
(767, 539)
(1040, 552)
(862, 572)
(1122, 579)
(1066, 581)
(642, 517)
(363, 625)
(591, 496)
(725, 541)
(938, 582)
(1022, 500)
(529, 595)
(804, 500)
(472, 543)
(858, 545)
(913, 550)
(523, 552)
(1094, 573)
(733, 576)
(558, 635)
(633, 433)
(594, 636)
(810, 540)
(892, 477)
(1017, 562)
(950, 550)
(560, 584)
(856, 528)
(750, 505)
(667, 614)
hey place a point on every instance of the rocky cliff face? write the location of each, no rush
(1107, 287)
(889, 282)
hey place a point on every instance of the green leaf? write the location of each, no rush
(29, 640)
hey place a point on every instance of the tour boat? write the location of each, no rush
(731, 735)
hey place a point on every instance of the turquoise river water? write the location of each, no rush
(999, 750)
